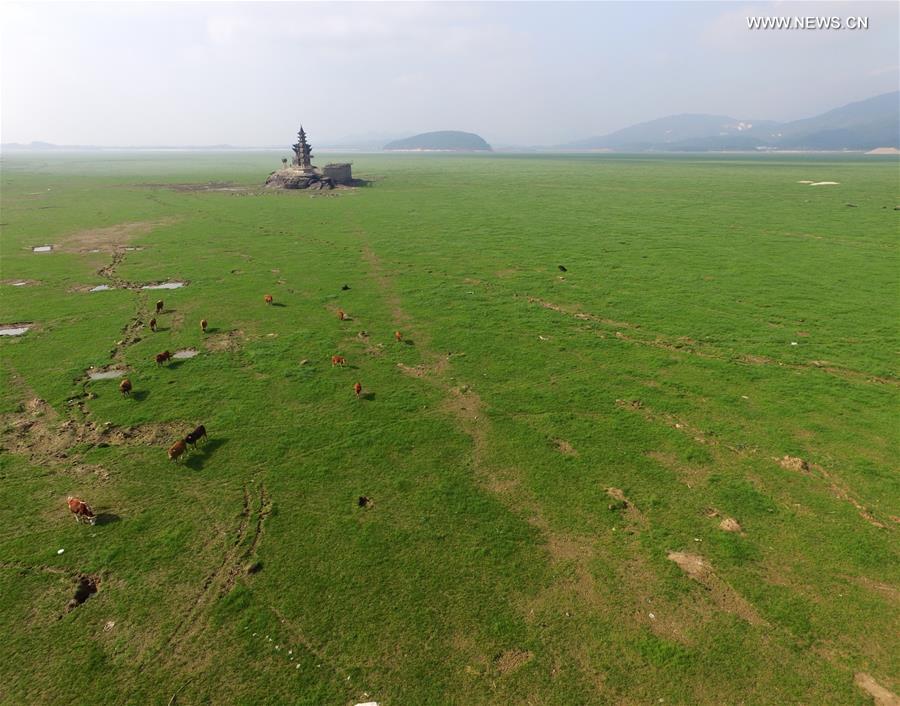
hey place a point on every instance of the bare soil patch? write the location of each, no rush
(565, 448)
(729, 524)
(426, 369)
(227, 341)
(634, 516)
(108, 239)
(721, 593)
(512, 660)
(38, 432)
(881, 695)
(793, 463)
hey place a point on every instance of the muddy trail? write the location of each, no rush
(132, 331)
(837, 487)
(574, 589)
(637, 335)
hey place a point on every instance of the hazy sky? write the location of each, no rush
(516, 73)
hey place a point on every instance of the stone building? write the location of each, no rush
(339, 173)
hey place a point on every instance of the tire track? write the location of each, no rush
(221, 580)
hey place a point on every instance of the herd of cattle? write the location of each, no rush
(84, 513)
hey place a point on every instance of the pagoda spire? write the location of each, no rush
(302, 151)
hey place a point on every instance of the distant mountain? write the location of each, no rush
(444, 140)
(673, 130)
(863, 125)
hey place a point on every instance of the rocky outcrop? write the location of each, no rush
(292, 178)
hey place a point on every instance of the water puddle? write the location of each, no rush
(165, 285)
(42, 248)
(186, 353)
(100, 288)
(16, 329)
(105, 374)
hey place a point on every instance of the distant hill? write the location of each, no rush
(863, 125)
(444, 140)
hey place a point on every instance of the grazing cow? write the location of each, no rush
(562, 268)
(196, 435)
(398, 336)
(341, 315)
(159, 306)
(203, 324)
(357, 388)
(176, 450)
(345, 287)
(153, 325)
(82, 511)
(125, 387)
(338, 360)
(268, 299)
(163, 357)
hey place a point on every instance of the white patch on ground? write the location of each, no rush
(186, 353)
(825, 183)
(806, 181)
(164, 285)
(100, 288)
(42, 248)
(105, 374)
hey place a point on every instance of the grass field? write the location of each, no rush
(549, 455)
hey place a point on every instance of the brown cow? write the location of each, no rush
(125, 387)
(81, 510)
(268, 299)
(338, 360)
(176, 450)
(153, 325)
(341, 315)
(357, 388)
(203, 324)
(398, 336)
(159, 306)
(163, 357)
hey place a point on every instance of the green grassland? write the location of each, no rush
(715, 316)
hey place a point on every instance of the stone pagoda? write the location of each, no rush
(301, 174)
(302, 153)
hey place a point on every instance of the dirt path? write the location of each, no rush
(637, 335)
(836, 486)
(575, 590)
